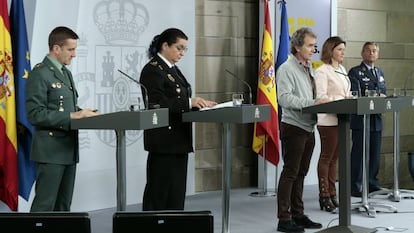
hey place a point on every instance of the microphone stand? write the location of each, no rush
(241, 80)
(263, 193)
(141, 85)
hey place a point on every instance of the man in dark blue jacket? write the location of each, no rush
(366, 78)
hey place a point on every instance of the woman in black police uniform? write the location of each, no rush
(168, 147)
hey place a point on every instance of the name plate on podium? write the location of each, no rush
(124, 120)
(238, 114)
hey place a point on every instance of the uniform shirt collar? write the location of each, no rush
(369, 67)
(55, 62)
(165, 60)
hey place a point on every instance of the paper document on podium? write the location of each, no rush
(220, 105)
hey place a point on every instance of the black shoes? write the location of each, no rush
(335, 201)
(297, 225)
(325, 203)
(374, 189)
(289, 226)
(359, 194)
(356, 194)
(305, 222)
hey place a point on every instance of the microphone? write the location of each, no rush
(405, 84)
(359, 85)
(241, 80)
(140, 84)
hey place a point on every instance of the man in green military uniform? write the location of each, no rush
(51, 102)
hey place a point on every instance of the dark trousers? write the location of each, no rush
(166, 182)
(298, 146)
(356, 160)
(328, 160)
(54, 187)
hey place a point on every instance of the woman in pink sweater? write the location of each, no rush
(331, 82)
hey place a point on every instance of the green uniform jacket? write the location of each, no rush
(50, 97)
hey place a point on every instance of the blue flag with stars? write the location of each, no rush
(21, 68)
(283, 51)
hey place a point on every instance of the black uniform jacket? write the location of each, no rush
(169, 89)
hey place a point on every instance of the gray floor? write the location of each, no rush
(258, 214)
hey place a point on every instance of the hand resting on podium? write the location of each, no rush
(200, 103)
(322, 100)
(87, 112)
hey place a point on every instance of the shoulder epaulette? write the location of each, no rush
(39, 65)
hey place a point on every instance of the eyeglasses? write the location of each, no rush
(181, 48)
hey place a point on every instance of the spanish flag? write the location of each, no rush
(266, 133)
(8, 138)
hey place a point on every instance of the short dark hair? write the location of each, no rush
(298, 37)
(369, 43)
(59, 35)
(328, 46)
(169, 35)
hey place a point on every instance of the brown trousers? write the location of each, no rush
(328, 160)
(297, 147)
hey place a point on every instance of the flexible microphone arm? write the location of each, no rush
(405, 84)
(356, 79)
(241, 80)
(140, 84)
(359, 85)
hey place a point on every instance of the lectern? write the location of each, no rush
(395, 105)
(229, 115)
(121, 121)
(344, 107)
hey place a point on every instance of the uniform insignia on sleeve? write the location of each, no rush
(159, 66)
(170, 77)
(154, 63)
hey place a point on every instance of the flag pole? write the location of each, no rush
(264, 192)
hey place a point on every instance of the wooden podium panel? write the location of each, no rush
(239, 114)
(121, 121)
(359, 106)
(125, 120)
(343, 108)
(228, 115)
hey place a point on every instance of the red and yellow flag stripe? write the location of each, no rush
(8, 134)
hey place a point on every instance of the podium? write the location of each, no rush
(228, 115)
(395, 105)
(121, 121)
(360, 106)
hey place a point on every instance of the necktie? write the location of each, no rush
(67, 76)
(175, 71)
(65, 73)
(373, 72)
